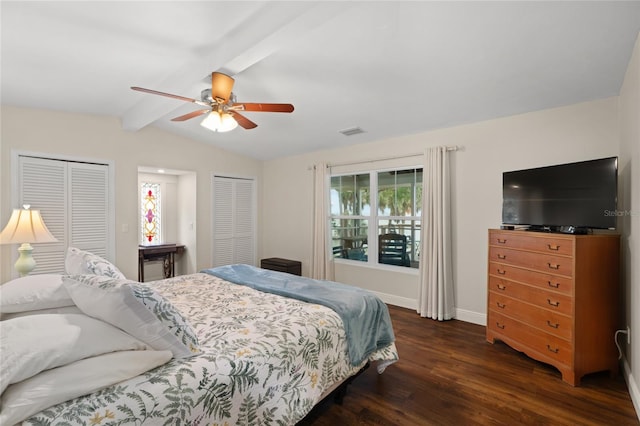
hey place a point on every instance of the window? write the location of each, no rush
(394, 213)
(350, 215)
(150, 213)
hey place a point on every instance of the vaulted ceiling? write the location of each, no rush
(389, 67)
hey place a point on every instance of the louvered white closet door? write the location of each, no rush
(73, 199)
(222, 221)
(42, 185)
(89, 207)
(244, 222)
(233, 221)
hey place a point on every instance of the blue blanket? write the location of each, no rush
(366, 318)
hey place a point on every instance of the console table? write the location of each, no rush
(164, 252)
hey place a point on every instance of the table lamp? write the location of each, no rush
(25, 226)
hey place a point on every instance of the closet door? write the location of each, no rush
(234, 218)
(73, 199)
(42, 185)
(89, 207)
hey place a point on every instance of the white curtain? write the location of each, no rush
(436, 272)
(321, 257)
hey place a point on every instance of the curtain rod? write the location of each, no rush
(449, 148)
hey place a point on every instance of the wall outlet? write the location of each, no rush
(628, 335)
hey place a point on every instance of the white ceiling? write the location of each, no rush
(389, 67)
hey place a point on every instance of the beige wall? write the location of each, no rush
(102, 138)
(573, 133)
(629, 203)
(188, 226)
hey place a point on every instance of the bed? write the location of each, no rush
(243, 356)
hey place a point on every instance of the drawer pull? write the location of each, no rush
(553, 247)
(501, 287)
(553, 285)
(556, 303)
(554, 350)
(556, 325)
(501, 271)
(502, 256)
(500, 326)
(553, 265)
(500, 305)
(502, 241)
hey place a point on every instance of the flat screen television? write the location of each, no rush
(571, 198)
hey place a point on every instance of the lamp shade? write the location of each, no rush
(219, 122)
(26, 226)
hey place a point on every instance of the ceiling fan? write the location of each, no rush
(221, 107)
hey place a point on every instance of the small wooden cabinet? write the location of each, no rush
(283, 265)
(555, 297)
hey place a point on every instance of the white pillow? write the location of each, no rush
(51, 387)
(35, 343)
(34, 292)
(82, 262)
(63, 310)
(136, 309)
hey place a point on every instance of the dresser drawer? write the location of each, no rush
(546, 320)
(545, 244)
(539, 279)
(545, 344)
(551, 300)
(541, 262)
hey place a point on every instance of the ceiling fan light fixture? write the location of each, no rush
(221, 108)
(219, 122)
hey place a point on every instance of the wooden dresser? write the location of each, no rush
(555, 297)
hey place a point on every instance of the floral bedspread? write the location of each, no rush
(266, 360)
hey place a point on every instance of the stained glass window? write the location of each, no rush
(150, 213)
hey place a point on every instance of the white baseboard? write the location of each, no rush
(403, 302)
(634, 392)
(470, 316)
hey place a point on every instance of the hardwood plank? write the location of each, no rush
(448, 374)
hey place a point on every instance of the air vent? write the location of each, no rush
(352, 131)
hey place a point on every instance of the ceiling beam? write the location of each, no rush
(272, 28)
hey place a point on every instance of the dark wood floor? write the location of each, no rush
(449, 375)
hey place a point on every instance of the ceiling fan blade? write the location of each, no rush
(255, 107)
(221, 85)
(168, 95)
(191, 115)
(243, 121)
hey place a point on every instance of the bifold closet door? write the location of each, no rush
(234, 218)
(73, 199)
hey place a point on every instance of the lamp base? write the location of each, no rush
(25, 263)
